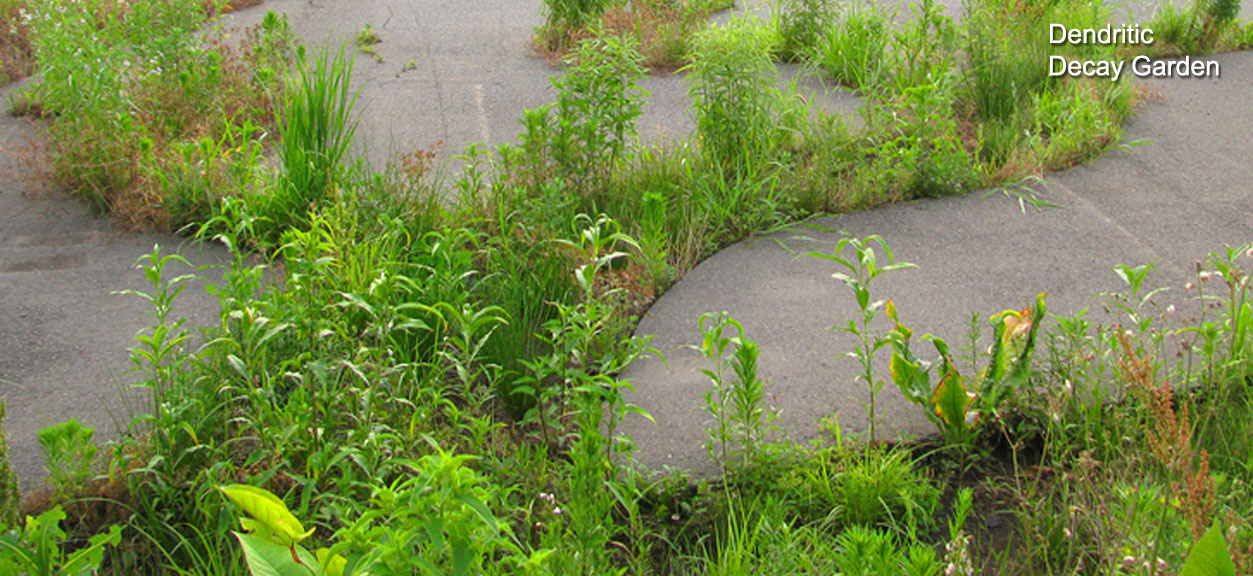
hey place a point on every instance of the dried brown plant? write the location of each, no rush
(1169, 434)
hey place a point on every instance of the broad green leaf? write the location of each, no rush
(268, 558)
(910, 377)
(951, 401)
(1210, 556)
(480, 509)
(269, 510)
(86, 561)
(999, 361)
(462, 557)
(331, 564)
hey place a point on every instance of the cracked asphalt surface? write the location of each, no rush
(64, 334)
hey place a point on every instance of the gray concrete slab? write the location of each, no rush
(1173, 201)
(476, 71)
(63, 334)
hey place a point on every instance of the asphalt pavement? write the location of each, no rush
(461, 71)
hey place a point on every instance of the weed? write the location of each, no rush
(316, 132)
(1169, 437)
(862, 268)
(854, 50)
(740, 417)
(70, 456)
(562, 18)
(922, 50)
(367, 371)
(801, 24)
(734, 96)
(654, 245)
(367, 40)
(956, 405)
(38, 547)
(585, 133)
(10, 498)
(1008, 63)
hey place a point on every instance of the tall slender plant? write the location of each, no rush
(317, 130)
(858, 272)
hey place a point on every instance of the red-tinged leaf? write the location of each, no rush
(951, 401)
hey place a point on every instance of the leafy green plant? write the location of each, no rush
(39, 549)
(801, 23)
(866, 551)
(10, 497)
(922, 49)
(70, 456)
(563, 17)
(585, 133)
(586, 347)
(653, 241)
(954, 404)
(858, 270)
(316, 135)
(737, 405)
(591, 473)
(157, 354)
(733, 94)
(439, 520)
(854, 49)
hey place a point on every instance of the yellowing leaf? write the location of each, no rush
(951, 401)
(269, 511)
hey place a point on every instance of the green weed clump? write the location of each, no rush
(10, 497)
(563, 18)
(663, 29)
(734, 96)
(70, 456)
(854, 49)
(1202, 27)
(576, 141)
(424, 366)
(146, 114)
(801, 24)
(316, 131)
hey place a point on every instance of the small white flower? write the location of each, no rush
(557, 510)
(1170, 309)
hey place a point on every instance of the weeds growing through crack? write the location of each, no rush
(440, 350)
